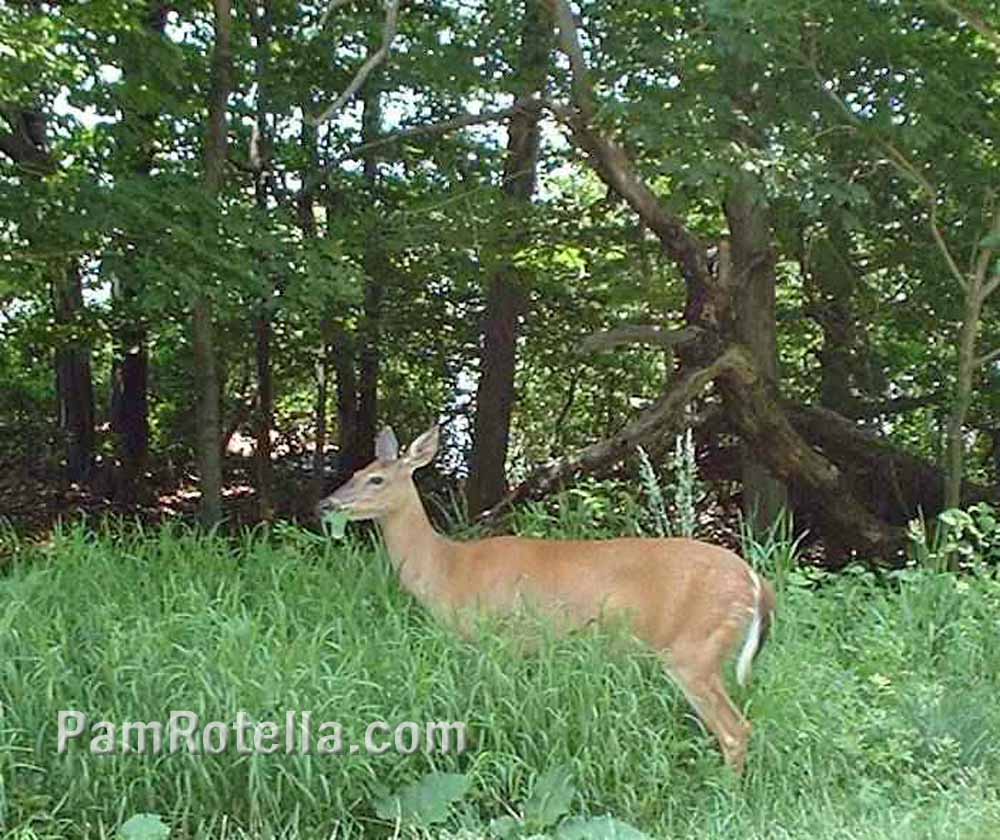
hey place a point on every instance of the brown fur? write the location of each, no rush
(689, 600)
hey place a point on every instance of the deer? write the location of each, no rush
(690, 601)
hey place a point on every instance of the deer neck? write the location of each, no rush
(418, 553)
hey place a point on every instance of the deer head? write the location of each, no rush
(386, 484)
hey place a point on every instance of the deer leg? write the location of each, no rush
(736, 727)
(706, 693)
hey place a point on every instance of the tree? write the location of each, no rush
(205, 357)
(129, 411)
(506, 297)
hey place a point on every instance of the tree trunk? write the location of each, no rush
(376, 272)
(750, 396)
(27, 144)
(74, 384)
(506, 300)
(977, 288)
(265, 415)
(319, 418)
(830, 280)
(203, 332)
(756, 327)
(487, 480)
(955, 448)
(813, 481)
(130, 375)
(260, 25)
(341, 349)
(130, 413)
(366, 419)
(209, 437)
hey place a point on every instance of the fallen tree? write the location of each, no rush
(668, 415)
(822, 462)
(818, 485)
(893, 484)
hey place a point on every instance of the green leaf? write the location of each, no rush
(425, 802)
(506, 828)
(550, 799)
(144, 827)
(598, 828)
(991, 241)
(335, 524)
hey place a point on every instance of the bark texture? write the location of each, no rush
(74, 385)
(506, 297)
(260, 146)
(130, 375)
(755, 327)
(206, 374)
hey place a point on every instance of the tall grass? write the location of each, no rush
(684, 493)
(874, 703)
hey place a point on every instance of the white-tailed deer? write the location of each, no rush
(690, 601)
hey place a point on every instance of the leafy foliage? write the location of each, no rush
(424, 802)
(697, 95)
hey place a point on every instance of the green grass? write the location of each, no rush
(874, 703)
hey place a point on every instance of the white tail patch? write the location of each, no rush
(753, 635)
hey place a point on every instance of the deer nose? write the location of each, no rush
(327, 505)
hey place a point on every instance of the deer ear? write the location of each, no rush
(386, 445)
(424, 448)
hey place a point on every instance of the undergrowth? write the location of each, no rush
(873, 704)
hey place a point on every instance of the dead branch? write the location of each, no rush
(429, 129)
(374, 60)
(443, 127)
(569, 43)
(638, 334)
(667, 413)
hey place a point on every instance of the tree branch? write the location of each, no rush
(569, 42)
(332, 7)
(443, 127)
(373, 61)
(637, 334)
(973, 20)
(26, 144)
(613, 166)
(667, 411)
(986, 358)
(987, 287)
(894, 405)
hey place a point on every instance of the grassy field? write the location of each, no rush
(874, 704)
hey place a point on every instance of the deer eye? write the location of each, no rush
(376, 479)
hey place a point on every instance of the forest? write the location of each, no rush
(726, 269)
